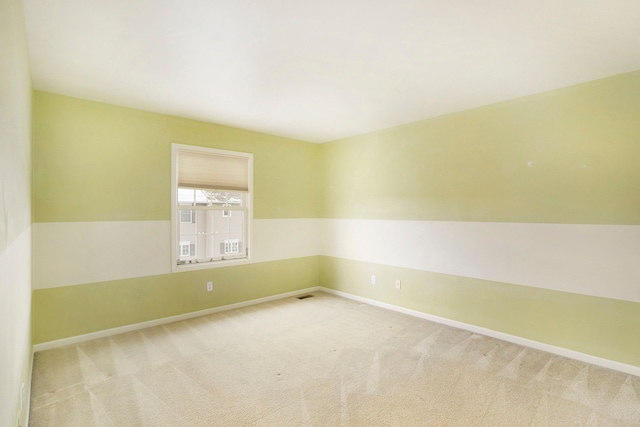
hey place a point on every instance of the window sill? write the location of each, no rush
(211, 264)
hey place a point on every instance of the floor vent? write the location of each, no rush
(305, 296)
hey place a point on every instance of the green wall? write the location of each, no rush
(602, 327)
(583, 143)
(100, 162)
(563, 157)
(568, 156)
(76, 310)
(15, 214)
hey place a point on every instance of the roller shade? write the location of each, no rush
(212, 171)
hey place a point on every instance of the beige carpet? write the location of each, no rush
(321, 361)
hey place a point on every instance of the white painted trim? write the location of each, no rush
(28, 396)
(156, 322)
(560, 351)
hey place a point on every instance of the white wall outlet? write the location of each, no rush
(373, 279)
(209, 286)
(398, 284)
(21, 397)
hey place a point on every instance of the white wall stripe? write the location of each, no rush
(277, 239)
(74, 253)
(596, 260)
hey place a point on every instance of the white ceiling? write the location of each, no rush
(325, 69)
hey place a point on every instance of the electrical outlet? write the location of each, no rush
(21, 397)
(373, 279)
(209, 286)
(398, 284)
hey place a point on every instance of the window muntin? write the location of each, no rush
(212, 223)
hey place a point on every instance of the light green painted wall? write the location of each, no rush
(567, 156)
(15, 125)
(602, 327)
(75, 310)
(100, 162)
(15, 212)
(583, 142)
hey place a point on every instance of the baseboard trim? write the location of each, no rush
(560, 351)
(28, 396)
(162, 321)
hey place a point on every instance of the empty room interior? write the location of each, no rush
(319, 213)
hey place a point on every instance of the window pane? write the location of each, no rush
(212, 234)
(229, 234)
(186, 196)
(187, 247)
(213, 197)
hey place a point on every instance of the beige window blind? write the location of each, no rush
(212, 171)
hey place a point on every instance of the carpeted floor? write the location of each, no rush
(321, 361)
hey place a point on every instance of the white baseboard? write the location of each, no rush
(560, 351)
(156, 322)
(28, 396)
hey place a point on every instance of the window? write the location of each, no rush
(187, 216)
(231, 246)
(211, 201)
(187, 249)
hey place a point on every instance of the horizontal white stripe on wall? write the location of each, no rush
(276, 239)
(597, 260)
(73, 253)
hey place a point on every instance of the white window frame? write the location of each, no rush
(175, 214)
